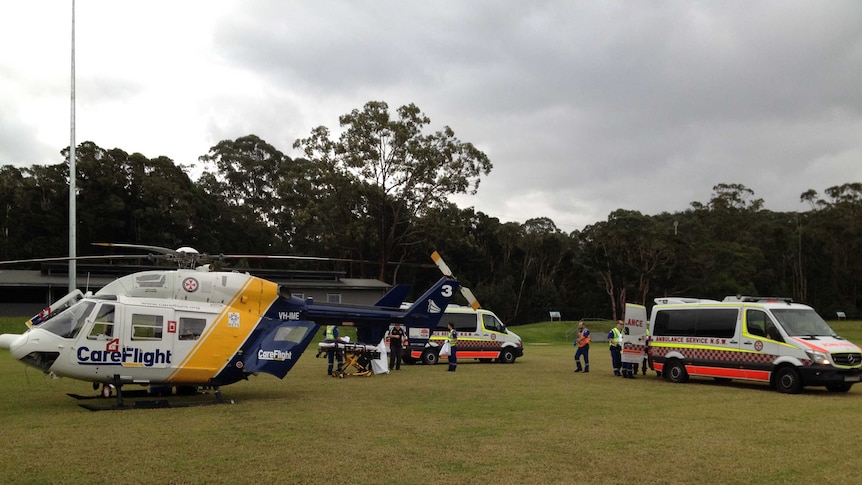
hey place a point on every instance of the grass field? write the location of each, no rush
(534, 421)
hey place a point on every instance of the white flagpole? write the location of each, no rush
(73, 269)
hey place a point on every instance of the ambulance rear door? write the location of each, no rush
(634, 333)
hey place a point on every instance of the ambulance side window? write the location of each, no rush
(755, 322)
(464, 322)
(676, 322)
(492, 324)
(716, 322)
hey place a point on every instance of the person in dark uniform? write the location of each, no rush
(583, 345)
(615, 338)
(453, 347)
(331, 336)
(396, 341)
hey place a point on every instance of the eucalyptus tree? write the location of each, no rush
(165, 204)
(104, 187)
(130, 198)
(627, 252)
(40, 209)
(411, 171)
(726, 255)
(834, 269)
(261, 185)
(12, 224)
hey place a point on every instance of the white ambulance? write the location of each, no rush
(481, 335)
(771, 340)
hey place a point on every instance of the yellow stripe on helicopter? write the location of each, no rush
(229, 330)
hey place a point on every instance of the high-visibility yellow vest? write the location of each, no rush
(453, 337)
(617, 337)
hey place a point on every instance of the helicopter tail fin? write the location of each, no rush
(394, 297)
(428, 309)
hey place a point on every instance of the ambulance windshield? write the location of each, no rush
(799, 322)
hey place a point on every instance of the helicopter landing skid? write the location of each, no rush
(155, 404)
(144, 403)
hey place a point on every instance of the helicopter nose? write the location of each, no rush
(9, 340)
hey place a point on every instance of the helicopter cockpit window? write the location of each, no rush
(191, 328)
(103, 326)
(290, 334)
(147, 327)
(69, 323)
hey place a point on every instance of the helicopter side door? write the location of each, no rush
(99, 343)
(132, 342)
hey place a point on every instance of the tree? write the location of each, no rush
(832, 250)
(255, 178)
(410, 171)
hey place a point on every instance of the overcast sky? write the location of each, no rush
(583, 107)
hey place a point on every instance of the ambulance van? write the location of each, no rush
(481, 335)
(771, 340)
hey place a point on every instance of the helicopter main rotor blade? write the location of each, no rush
(318, 258)
(77, 258)
(145, 247)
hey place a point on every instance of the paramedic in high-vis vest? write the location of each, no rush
(331, 335)
(453, 348)
(615, 339)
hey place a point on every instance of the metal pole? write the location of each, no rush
(73, 269)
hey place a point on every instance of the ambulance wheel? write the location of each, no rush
(507, 356)
(787, 380)
(429, 357)
(843, 387)
(675, 372)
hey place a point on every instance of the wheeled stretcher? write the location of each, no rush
(357, 357)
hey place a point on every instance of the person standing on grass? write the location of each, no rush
(453, 345)
(331, 336)
(396, 341)
(615, 339)
(583, 345)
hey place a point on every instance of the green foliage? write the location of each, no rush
(409, 172)
(380, 192)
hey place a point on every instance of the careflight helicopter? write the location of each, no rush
(191, 327)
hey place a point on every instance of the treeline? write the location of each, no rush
(379, 193)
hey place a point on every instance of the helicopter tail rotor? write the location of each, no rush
(465, 292)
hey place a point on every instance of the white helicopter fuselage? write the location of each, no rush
(159, 327)
(187, 327)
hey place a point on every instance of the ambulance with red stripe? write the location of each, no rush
(481, 335)
(771, 340)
